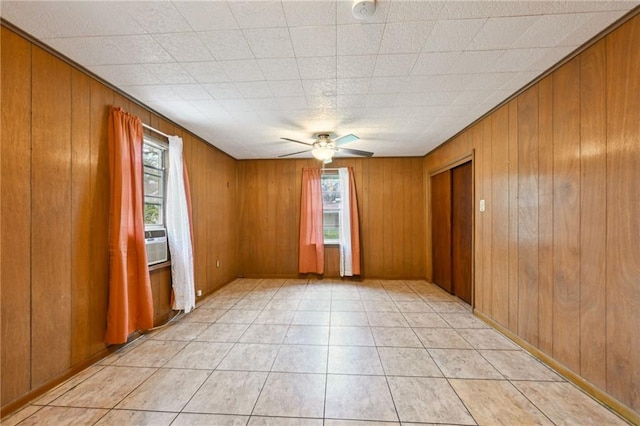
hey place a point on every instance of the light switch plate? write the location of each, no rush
(481, 205)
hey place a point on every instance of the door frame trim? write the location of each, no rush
(465, 158)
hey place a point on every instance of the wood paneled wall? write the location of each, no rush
(557, 251)
(390, 202)
(213, 184)
(54, 223)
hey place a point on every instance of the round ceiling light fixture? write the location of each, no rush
(363, 9)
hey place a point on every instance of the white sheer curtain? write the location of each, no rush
(179, 231)
(346, 260)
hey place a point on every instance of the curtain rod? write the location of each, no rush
(328, 168)
(146, 126)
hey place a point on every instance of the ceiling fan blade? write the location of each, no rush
(345, 139)
(293, 140)
(295, 153)
(355, 152)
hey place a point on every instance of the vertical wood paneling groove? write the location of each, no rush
(418, 222)
(427, 231)
(271, 252)
(485, 252)
(566, 214)
(213, 233)
(475, 134)
(194, 177)
(200, 228)
(407, 222)
(101, 98)
(365, 244)
(513, 216)
(284, 205)
(545, 214)
(50, 204)
(209, 236)
(400, 232)
(593, 208)
(499, 184)
(388, 213)
(80, 204)
(528, 215)
(376, 219)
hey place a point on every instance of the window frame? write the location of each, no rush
(146, 169)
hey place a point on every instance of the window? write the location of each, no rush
(154, 160)
(331, 204)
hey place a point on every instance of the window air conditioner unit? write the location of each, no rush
(157, 249)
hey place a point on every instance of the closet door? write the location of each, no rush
(441, 229)
(461, 230)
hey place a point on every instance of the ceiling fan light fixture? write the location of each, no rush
(322, 153)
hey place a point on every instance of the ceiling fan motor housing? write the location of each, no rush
(324, 140)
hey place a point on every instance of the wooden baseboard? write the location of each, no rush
(326, 277)
(270, 276)
(612, 403)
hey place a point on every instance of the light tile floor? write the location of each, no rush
(298, 352)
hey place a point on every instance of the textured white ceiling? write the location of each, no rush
(242, 74)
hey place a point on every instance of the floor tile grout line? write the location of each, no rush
(264, 384)
(386, 379)
(503, 377)
(530, 401)
(326, 374)
(429, 354)
(461, 400)
(519, 351)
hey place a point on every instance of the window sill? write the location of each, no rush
(161, 265)
(332, 244)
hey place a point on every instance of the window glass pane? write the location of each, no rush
(152, 156)
(331, 207)
(331, 191)
(153, 211)
(153, 182)
(331, 225)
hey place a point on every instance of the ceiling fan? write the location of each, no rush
(325, 147)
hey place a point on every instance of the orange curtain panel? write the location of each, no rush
(311, 235)
(355, 225)
(130, 298)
